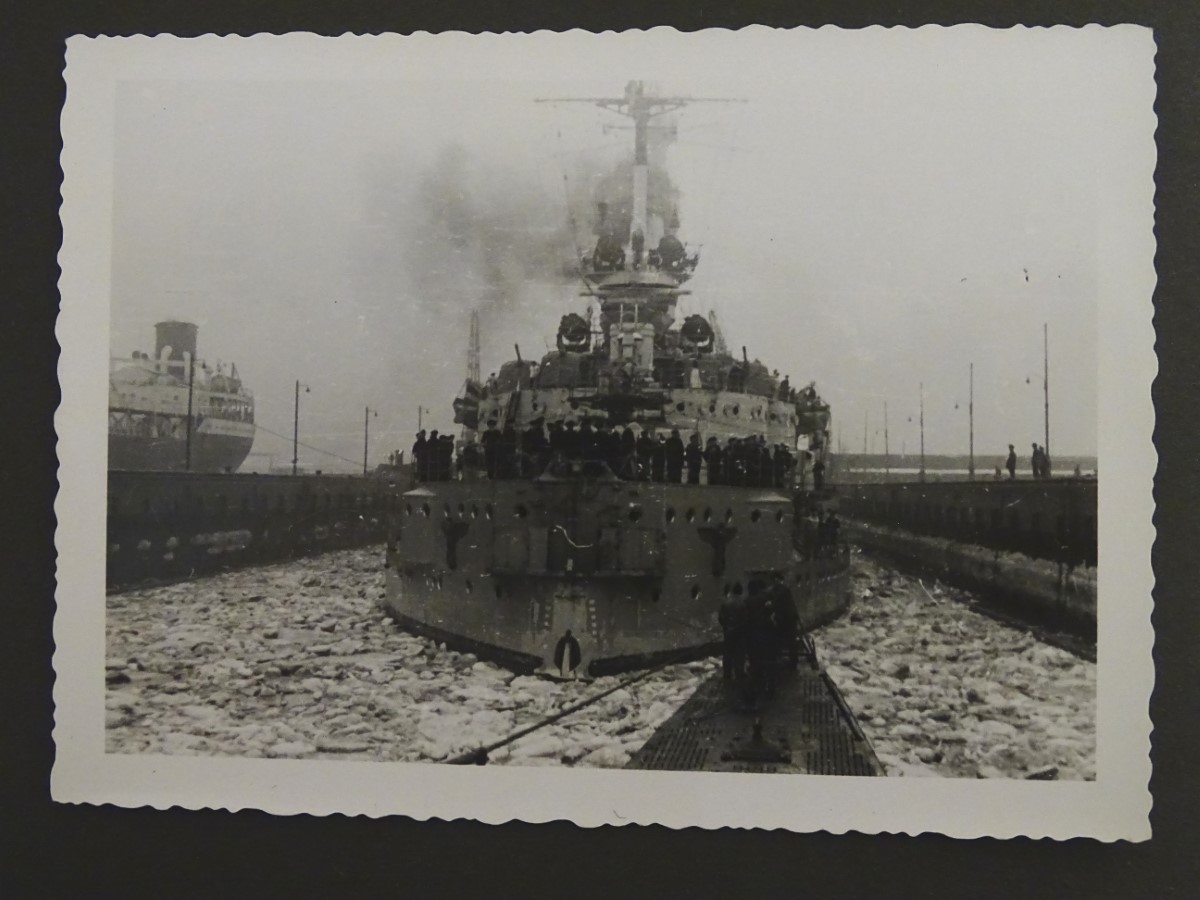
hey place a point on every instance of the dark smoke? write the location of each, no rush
(482, 233)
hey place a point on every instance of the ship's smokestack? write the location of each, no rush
(179, 336)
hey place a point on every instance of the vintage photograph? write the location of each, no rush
(646, 418)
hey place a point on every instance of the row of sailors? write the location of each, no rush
(744, 462)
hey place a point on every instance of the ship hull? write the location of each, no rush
(576, 579)
(209, 452)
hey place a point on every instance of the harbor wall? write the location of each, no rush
(1052, 519)
(166, 525)
(1048, 592)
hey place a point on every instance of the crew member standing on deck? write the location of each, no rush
(787, 620)
(675, 455)
(1011, 463)
(694, 456)
(732, 616)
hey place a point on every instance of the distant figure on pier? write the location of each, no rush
(1011, 464)
(1045, 462)
(818, 472)
(1035, 461)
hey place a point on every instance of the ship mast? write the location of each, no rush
(641, 107)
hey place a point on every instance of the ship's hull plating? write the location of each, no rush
(210, 452)
(574, 578)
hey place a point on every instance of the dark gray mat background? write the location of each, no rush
(51, 850)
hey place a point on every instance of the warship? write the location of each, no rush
(610, 496)
(171, 412)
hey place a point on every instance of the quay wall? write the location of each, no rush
(1045, 591)
(166, 525)
(1054, 519)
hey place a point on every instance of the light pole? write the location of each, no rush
(296, 426)
(887, 453)
(367, 413)
(921, 474)
(1046, 391)
(971, 419)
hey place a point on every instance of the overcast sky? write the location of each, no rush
(884, 210)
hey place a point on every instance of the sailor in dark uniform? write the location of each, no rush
(712, 461)
(418, 456)
(645, 448)
(658, 459)
(491, 449)
(732, 617)
(694, 456)
(674, 451)
(761, 644)
(786, 619)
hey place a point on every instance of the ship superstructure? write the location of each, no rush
(172, 412)
(623, 485)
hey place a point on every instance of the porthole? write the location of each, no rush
(474, 512)
(737, 589)
(407, 508)
(779, 516)
(708, 514)
(737, 409)
(680, 407)
(712, 407)
(670, 515)
(729, 515)
(425, 509)
(470, 587)
(635, 513)
(488, 511)
(773, 417)
(462, 510)
(499, 592)
(695, 592)
(446, 511)
(521, 511)
(691, 515)
(755, 516)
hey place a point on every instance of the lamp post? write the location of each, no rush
(367, 413)
(887, 453)
(971, 420)
(1046, 391)
(296, 426)
(921, 474)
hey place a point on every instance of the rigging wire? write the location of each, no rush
(357, 463)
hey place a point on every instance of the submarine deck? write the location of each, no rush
(806, 728)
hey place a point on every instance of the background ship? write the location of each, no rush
(581, 533)
(171, 412)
